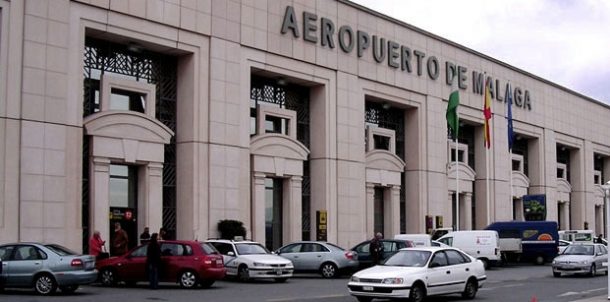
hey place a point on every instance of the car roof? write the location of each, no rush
(427, 248)
(231, 241)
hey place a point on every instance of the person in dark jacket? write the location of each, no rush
(153, 261)
(376, 249)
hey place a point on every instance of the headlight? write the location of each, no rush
(392, 281)
(259, 264)
(584, 262)
(354, 279)
(554, 261)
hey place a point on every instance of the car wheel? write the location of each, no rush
(470, 291)
(280, 280)
(364, 299)
(328, 270)
(243, 273)
(556, 274)
(45, 285)
(592, 270)
(417, 294)
(207, 283)
(68, 289)
(188, 279)
(539, 260)
(108, 277)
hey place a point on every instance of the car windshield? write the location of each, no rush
(250, 249)
(335, 246)
(409, 258)
(60, 250)
(576, 249)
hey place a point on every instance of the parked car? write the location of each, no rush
(251, 260)
(587, 258)
(390, 247)
(189, 263)
(45, 267)
(323, 257)
(563, 244)
(417, 272)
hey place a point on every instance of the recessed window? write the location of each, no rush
(381, 142)
(127, 100)
(460, 155)
(274, 124)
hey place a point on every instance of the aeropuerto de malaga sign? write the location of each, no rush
(398, 56)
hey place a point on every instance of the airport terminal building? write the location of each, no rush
(313, 120)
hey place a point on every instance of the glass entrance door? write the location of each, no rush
(123, 194)
(273, 213)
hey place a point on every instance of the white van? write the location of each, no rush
(417, 239)
(483, 245)
(577, 235)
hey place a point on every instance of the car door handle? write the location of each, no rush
(448, 272)
(37, 263)
(296, 257)
(319, 256)
(467, 269)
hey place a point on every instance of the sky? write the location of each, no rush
(564, 41)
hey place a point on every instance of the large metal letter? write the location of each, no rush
(290, 22)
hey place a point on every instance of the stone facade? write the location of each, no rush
(221, 167)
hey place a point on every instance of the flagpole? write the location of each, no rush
(457, 182)
(510, 176)
(487, 193)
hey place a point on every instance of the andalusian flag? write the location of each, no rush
(453, 122)
(487, 114)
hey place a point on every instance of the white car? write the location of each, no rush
(251, 260)
(563, 244)
(416, 272)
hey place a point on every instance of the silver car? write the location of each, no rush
(45, 267)
(323, 257)
(581, 258)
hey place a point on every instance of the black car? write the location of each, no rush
(390, 247)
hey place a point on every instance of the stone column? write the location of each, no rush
(448, 222)
(369, 210)
(258, 207)
(154, 190)
(392, 219)
(466, 210)
(292, 210)
(99, 203)
(565, 215)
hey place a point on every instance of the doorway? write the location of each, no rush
(123, 195)
(274, 213)
(378, 211)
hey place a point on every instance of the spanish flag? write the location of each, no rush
(487, 113)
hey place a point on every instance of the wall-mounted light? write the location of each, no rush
(134, 47)
(281, 81)
(386, 105)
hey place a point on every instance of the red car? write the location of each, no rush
(190, 263)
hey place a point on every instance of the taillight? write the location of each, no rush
(350, 255)
(76, 262)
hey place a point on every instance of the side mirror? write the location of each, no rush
(231, 254)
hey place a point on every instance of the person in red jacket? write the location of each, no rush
(96, 244)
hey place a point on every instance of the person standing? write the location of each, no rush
(153, 261)
(376, 248)
(599, 239)
(96, 244)
(145, 236)
(121, 240)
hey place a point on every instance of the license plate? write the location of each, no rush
(279, 272)
(367, 288)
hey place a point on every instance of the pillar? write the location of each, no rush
(258, 207)
(369, 209)
(153, 205)
(292, 220)
(99, 203)
(392, 211)
(466, 209)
